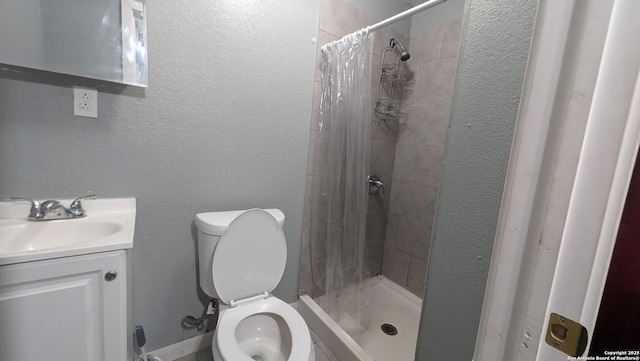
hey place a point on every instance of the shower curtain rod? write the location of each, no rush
(401, 16)
(404, 14)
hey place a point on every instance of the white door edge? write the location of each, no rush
(619, 189)
(602, 179)
(499, 325)
(507, 295)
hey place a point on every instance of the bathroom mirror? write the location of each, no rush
(98, 39)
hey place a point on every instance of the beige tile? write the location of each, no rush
(205, 354)
(306, 213)
(419, 162)
(425, 48)
(401, 197)
(434, 83)
(317, 201)
(319, 272)
(414, 236)
(375, 259)
(305, 284)
(366, 18)
(426, 124)
(314, 337)
(320, 356)
(376, 229)
(434, 156)
(324, 349)
(392, 229)
(338, 17)
(438, 120)
(408, 158)
(412, 199)
(318, 239)
(189, 357)
(451, 34)
(417, 276)
(395, 265)
(382, 156)
(425, 198)
(305, 248)
(439, 82)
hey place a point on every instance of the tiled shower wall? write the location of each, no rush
(339, 18)
(406, 157)
(418, 157)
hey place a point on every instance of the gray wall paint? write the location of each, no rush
(491, 70)
(223, 125)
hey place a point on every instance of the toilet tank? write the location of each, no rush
(211, 225)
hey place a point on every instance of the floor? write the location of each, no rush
(389, 304)
(202, 355)
(322, 352)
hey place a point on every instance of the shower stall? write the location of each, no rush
(381, 111)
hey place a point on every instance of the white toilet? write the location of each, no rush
(242, 255)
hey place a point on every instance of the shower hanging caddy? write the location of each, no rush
(395, 78)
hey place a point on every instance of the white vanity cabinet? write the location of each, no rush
(66, 309)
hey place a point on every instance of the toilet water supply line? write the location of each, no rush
(189, 321)
(198, 323)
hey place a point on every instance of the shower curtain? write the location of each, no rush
(339, 207)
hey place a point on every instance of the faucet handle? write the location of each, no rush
(49, 205)
(76, 207)
(375, 184)
(36, 211)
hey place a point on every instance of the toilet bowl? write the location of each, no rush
(242, 255)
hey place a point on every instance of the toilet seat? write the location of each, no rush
(227, 343)
(250, 257)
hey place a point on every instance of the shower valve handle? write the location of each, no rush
(375, 184)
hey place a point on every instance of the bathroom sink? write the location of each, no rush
(108, 226)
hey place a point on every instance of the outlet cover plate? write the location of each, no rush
(85, 102)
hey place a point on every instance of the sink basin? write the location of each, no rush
(108, 226)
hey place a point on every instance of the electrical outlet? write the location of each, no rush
(85, 102)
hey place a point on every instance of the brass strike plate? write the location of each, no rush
(566, 335)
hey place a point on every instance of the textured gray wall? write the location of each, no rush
(491, 69)
(223, 125)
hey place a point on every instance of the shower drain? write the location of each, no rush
(389, 329)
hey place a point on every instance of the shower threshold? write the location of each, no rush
(394, 316)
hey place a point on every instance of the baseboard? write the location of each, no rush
(184, 347)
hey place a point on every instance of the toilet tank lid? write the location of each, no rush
(215, 223)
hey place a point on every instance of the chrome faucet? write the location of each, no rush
(51, 209)
(375, 184)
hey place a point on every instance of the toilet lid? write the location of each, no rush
(250, 256)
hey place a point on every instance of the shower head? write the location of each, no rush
(400, 50)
